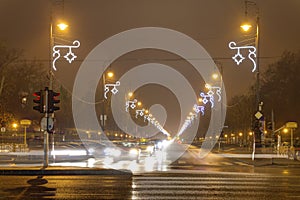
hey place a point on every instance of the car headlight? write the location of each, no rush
(149, 148)
(133, 152)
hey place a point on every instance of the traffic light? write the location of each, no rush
(39, 100)
(270, 125)
(52, 100)
(255, 125)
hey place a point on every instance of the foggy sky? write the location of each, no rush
(213, 23)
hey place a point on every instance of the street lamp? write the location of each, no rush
(139, 103)
(218, 77)
(130, 94)
(15, 125)
(103, 117)
(246, 27)
(62, 26)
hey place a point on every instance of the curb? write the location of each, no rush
(49, 171)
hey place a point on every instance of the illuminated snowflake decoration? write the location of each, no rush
(139, 113)
(199, 109)
(131, 104)
(207, 98)
(214, 90)
(238, 57)
(114, 89)
(70, 56)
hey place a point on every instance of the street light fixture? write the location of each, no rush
(130, 94)
(139, 103)
(246, 27)
(110, 74)
(15, 125)
(215, 76)
(62, 26)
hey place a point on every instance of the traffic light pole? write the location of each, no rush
(46, 103)
(46, 135)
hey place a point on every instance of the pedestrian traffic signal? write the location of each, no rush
(52, 100)
(39, 100)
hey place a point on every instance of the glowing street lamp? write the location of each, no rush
(215, 76)
(130, 94)
(62, 26)
(110, 74)
(15, 125)
(246, 27)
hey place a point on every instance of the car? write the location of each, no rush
(147, 148)
(69, 151)
(118, 151)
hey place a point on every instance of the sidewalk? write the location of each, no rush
(257, 162)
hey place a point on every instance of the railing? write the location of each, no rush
(13, 147)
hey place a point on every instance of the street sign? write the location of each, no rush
(44, 124)
(258, 115)
(291, 125)
(25, 122)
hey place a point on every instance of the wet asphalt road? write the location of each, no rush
(266, 183)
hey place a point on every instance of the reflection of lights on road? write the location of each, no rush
(133, 166)
(133, 152)
(285, 172)
(149, 149)
(91, 162)
(112, 152)
(70, 164)
(149, 163)
(68, 153)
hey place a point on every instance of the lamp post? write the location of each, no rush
(246, 27)
(62, 27)
(103, 117)
(217, 76)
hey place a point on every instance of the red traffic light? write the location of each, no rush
(39, 100)
(52, 100)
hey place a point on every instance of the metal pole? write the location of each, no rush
(292, 138)
(25, 142)
(46, 135)
(257, 62)
(51, 44)
(103, 106)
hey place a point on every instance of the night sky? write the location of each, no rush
(213, 23)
